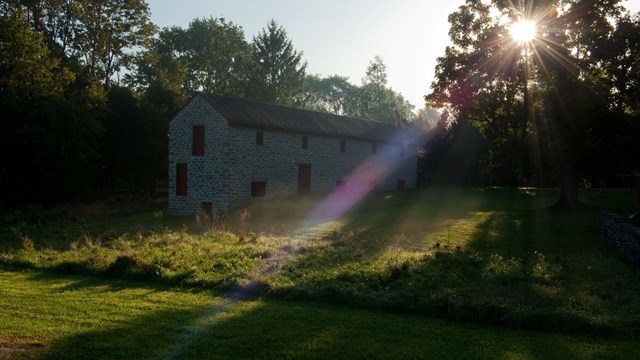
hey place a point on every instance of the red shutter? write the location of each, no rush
(259, 138)
(305, 142)
(343, 146)
(197, 145)
(181, 179)
(207, 208)
(258, 188)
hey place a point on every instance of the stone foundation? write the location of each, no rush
(621, 234)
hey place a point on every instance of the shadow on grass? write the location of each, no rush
(421, 215)
(466, 254)
(145, 337)
(509, 262)
(272, 329)
(275, 331)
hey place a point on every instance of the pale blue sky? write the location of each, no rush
(342, 36)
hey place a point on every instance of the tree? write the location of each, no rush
(96, 32)
(54, 19)
(104, 30)
(378, 101)
(333, 94)
(208, 56)
(277, 72)
(215, 50)
(427, 118)
(50, 130)
(559, 76)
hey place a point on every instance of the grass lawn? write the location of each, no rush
(483, 256)
(44, 315)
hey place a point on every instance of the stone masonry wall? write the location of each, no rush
(233, 160)
(621, 234)
(276, 163)
(205, 174)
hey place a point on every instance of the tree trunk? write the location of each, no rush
(568, 189)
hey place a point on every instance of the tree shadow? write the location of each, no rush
(232, 328)
(94, 284)
(262, 329)
(520, 266)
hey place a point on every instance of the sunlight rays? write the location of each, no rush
(526, 47)
(358, 185)
(523, 31)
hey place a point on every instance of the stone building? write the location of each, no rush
(225, 151)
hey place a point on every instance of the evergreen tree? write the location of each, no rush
(276, 74)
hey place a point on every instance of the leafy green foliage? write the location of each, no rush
(543, 101)
(207, 56)
(372, 100)
(277, 72)
(380, 102)
(97, 33)
(332, 94)
(50, 128)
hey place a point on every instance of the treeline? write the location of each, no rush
(561, 109)
(87, 89)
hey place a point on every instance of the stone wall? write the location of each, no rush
(276, 163)
(621, 234)
(205, 174)
(233, 161)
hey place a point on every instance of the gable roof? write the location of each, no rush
(247, 113)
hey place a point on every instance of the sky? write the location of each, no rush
(342, 36)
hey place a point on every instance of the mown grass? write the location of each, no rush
(48, 316)
(495, 256)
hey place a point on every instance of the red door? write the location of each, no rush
(304, 179)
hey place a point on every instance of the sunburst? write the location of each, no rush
(523, 31)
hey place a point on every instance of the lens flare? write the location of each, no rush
(362, 181)
(523, 31)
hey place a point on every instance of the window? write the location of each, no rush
(401, 185)
(305, 142)
(258, 188)
(181, 179)
(197, 145)
(374, 148)
(259, 138)
(401, 150)
(343, 146)
(207, 208)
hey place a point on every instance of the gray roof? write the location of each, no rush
(246, 113)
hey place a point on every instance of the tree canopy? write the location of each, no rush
(543, 100)
(87, 89)
(373, 99)
(277, 71)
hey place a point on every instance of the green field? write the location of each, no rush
(406, 264)
(78, 317)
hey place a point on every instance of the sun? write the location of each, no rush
(523, 31)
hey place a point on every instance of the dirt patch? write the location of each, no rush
(21, 348)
